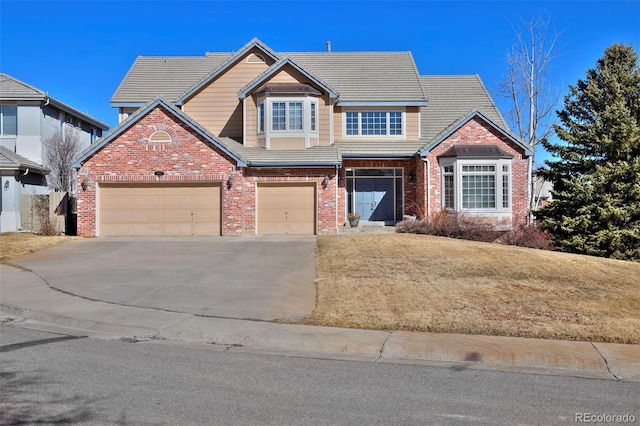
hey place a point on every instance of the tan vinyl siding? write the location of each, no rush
(217, 106)
(251, 126)
(324, 121)
(286, 143)
(412, 123)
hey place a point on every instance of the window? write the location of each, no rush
(314, 117)
(160, 136)
(373, 123)
(476, 185)
(261, 118)
(8, 119)
(288, 117)
(448, 188)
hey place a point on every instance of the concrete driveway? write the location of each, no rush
(262, 277)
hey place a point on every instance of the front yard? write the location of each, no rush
(425, 283)
(16, 244)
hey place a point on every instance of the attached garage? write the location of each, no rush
(286, 208)
(150, 209)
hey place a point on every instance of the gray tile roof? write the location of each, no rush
(365, 76)
(168, 77)
(379, 149)
(13, 89)
(357, 76)
(452, 97)
(9, 160)
(261, 157)
(245, 156)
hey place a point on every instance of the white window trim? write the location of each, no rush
(457, 183)
(267, 132)
(403, 118)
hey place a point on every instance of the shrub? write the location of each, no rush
(450, 224)
(527, 236)
(47, 224)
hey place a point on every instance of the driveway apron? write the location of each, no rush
(262, 277)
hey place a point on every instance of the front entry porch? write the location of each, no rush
(376, 194)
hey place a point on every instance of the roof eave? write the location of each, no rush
(69, 109)
(294, 165)
(382, 103)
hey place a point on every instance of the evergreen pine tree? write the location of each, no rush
(596, 178)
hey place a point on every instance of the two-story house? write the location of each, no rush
(29, 118)
(264, 142)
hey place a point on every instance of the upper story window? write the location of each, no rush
(374, 123)
(8, 119)
(294, 116)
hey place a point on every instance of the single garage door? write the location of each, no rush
(286, 208)
(159, 209)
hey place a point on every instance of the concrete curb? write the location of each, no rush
(25, 295)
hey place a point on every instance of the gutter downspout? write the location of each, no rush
(529, 192)
(428, 188)
(337, 197)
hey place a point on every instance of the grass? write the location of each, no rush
(426, 283)
(16, 244)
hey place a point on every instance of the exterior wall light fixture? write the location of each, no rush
(158, 173)
(325, 181)
(230, 182)
(85, 183)
(6, 185)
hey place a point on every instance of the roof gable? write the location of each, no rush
(464, 120)
(242, 52)
(276, 68)
(141, 112)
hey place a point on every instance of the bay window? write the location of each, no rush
(287, 117)
(479, 185)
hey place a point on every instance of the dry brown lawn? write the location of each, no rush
(16, 244)
(425, 283)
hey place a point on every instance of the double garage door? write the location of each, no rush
(195, 209)
(160, 209)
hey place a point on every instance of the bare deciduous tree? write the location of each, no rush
(527, 86)
(59, 151)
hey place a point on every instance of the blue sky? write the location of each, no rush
(79, 51)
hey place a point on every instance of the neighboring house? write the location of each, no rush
(542, 193)
(28, 119)
(264, 142)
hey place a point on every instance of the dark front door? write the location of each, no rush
(374, 199)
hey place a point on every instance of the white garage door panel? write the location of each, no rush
(160, 209)
(286, 209)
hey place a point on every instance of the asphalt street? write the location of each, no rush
(54, 378)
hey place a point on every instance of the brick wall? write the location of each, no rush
(477, 131)
(188, 158)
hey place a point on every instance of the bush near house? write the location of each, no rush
(451, 224)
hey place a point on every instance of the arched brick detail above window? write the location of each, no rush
(160, 137)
